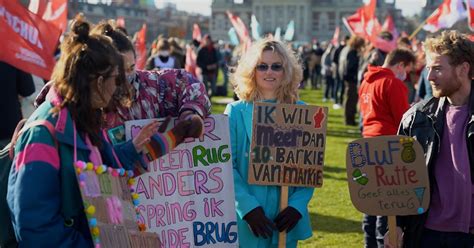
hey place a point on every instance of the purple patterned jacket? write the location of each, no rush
(163, 93)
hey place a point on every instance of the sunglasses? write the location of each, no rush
(264, 67)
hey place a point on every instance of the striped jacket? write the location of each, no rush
(43, 193)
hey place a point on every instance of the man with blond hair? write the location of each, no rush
(444, 126)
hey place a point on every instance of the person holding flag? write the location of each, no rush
(268, 71)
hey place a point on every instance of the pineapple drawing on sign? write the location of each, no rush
(408, 153)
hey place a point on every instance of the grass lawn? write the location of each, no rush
(335, 221)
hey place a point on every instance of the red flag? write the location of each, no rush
(354, 24)
(363, 23)
(38, 6)
(197, 32)
(140, 47)
(120, 22)
(445, 16)
(28, 41)
(335, 37)
(240, 29)
(470, 14)
(54, 11)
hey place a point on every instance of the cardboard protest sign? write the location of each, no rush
(387, 175)
(108, 205)
(187, 197)
(287, 145)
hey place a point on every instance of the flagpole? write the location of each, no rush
(417, 29)
(344, 20)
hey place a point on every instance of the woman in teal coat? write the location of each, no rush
(269, 71)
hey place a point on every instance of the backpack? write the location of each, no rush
(7, 235)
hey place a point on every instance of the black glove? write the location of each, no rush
(181, 131)
(287, 219)
(196, 127)
(260, 225)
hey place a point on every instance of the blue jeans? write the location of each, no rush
(437, 239)
(339, 90)
(374, 228)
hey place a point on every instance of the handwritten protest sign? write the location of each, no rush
(387, 175)
(288, 144)
(187, 198)
(108, 205)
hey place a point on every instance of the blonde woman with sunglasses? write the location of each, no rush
(268, 71)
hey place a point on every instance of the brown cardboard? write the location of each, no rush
(387, 175)
(109, 209)
(287, 146)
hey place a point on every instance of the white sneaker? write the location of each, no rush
(336, 106)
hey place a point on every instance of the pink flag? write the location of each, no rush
(140, 47)
(389, 25)
(240, 29)
(190, 65)
(120, 21)
(197, 32)
(445, 16)
(335, 37)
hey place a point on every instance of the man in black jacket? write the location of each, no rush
(444, 126)
(14, 83)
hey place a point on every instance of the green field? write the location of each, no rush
(336, 223)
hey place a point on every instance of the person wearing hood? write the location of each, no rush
(162, 59)
(383, 99)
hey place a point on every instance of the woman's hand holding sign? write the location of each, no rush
(260, 225)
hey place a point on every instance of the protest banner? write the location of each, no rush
(28, 41)
(387, 176)
(287, 148)
(187, 197)
(107, 198)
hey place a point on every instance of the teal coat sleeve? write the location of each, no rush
(245, 200)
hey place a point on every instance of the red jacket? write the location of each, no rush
(383, 99)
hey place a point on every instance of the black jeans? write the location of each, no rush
(330, 89)
(437, 239)
(374, 228)
(350, 105)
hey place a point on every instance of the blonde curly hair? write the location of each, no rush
(243, 77)
(457, 46)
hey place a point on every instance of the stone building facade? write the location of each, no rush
(314, 19)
